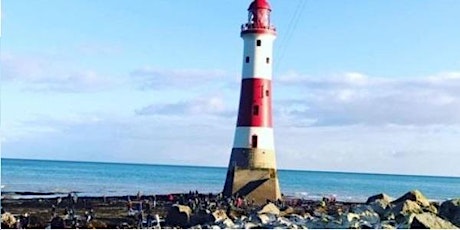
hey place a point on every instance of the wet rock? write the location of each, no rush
(202, 217)
(297, 219)
(178, 215)
(316, 223)
(270, 208)
(382, 197)
(415, 196)
(430, 220)
(450, 210)
(97, 224)
(8, 220)
(57, 222)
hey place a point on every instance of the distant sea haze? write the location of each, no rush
(98, 179)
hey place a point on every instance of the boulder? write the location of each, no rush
(379, 206)
(178, 215)
(287, 211)
(97, 224)
(270, 208)
(227, 223)
(219, 215)
(250, 225)
(388, 224)
(8, 220)
(430, 220)
(415, 196)
(57, 222)
(266, 218)
(405, 208)
(450, 210)
(382, 196)
(366, 214)
(201, 217)
(297, 219)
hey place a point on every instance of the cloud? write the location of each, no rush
(156, 78)
(41, 74)
(212, 105)
(354, 98)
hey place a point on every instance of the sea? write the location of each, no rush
(114, 179)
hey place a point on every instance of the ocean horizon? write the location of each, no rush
(116, 178)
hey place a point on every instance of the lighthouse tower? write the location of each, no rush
(252, 168)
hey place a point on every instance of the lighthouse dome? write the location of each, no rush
(259, 4)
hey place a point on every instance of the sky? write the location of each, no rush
(358, 86)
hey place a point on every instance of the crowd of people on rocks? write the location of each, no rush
(146, 210)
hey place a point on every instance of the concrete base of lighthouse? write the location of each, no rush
(252, 174)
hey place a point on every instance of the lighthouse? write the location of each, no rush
(252, 168)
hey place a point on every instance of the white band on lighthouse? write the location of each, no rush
(244, 137)
(258, 52)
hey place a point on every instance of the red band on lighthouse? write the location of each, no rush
(255, 103)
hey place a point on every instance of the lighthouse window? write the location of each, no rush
(267, 60)
(259, 42)
(254, 141)
(255, 110)
(247, 59)
(267, 93)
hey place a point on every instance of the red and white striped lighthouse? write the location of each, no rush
(252, 168)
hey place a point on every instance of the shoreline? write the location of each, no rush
(114, 211)
(208, 210)
(27, 195)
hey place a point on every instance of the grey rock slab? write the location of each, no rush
(430, 220)
(450, 210)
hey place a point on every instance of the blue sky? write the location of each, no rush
(359, 86)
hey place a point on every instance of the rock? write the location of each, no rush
(227, 223)
(266, 218)
(287, 211)
(250, 225)
(219, 215)
(388, 224)
(379, 206)
(8, 220)
(430, 220)
(57, 222)
(382, 196)
(297, 219)
(405, 208)
(97, 224)
(431, 208)
(284, 221)
(270, 208)
(316, 223)
(202, 217)
(415, 196)
(178, 215)
(349, 220)
(366, 214)
(450, 210)
(404, 221)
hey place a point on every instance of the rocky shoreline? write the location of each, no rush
(211, 211)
